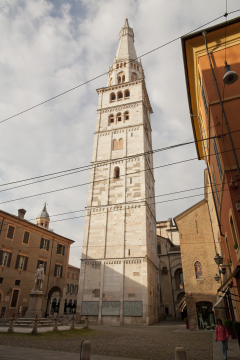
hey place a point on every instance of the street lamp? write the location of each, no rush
(218, 259)
(230, 76)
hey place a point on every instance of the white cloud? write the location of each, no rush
(48, 47)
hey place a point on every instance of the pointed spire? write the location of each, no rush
(126, 23)
(44, 213)
(126, 49)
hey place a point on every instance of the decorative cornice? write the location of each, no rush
(115, 207)
(117, 107)
(119, 86)
(114, 131)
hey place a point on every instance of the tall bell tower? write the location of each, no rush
(119, 267)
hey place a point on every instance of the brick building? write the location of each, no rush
(198, 250)
(23, 246)
(213, 94)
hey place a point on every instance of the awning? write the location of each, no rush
(234, 274)
(221, 298)
(181, 305)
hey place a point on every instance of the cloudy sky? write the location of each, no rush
(48, 47)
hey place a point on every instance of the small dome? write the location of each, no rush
(43, 213)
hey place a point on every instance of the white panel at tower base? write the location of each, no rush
(119, 281)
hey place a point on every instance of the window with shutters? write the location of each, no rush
(10, 232)
(14, 298)
(44, 263)
(21, 263)
(58, 270)
(61, 249)
(44, 244)
(26, 236)
(5, 258)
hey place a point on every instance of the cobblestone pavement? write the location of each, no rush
(150, 343)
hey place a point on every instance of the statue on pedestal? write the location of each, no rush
(39, 277)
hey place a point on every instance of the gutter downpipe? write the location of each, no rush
(220, 100)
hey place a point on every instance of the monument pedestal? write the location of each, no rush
(35, 304)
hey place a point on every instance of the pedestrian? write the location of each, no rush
(221, 335)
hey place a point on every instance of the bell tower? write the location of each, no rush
(119, 267)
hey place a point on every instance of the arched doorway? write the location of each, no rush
(54, 304)
(204, 314)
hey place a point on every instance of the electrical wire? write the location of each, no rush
(106, 73)
(88, 167)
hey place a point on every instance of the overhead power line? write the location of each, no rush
(101, 163)
(97, 181)
(105, 73)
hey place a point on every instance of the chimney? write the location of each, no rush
(21, 213)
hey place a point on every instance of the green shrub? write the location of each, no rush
(236, 326)
(228, 324)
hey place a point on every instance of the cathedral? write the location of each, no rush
(119, 281)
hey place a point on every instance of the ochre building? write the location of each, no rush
(214, 103)
(23, 246)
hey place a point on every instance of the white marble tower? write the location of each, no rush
(119, 268)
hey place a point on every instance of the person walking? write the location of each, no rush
(221, 335)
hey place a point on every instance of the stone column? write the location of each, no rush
(61, 307)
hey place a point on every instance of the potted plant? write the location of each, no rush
(236, 328)
(186, 321)
(229, 326)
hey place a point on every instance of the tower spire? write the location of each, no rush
(126, 67)
(126, 48)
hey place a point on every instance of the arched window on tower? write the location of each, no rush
(120, 95)
(131, 65)
(198, 269)
(133, 77)
(119, 79)
(124, 64)
(112, 97)
(115, 144)
(134, 66)
(123, 78)
(119, 117)
(111, 119)
(120, 144)
(137, 68)
(126, 94)
(126, 115)
(117, 66)
(116, 172)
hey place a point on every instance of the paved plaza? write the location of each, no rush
(115, 343)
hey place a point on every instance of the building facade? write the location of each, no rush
(214, 108)
(198, 250)
(23, 246)
(71, 290)
(119, 269)
(172, 293)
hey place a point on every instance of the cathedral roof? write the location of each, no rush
(43, 213)
(126, 49)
